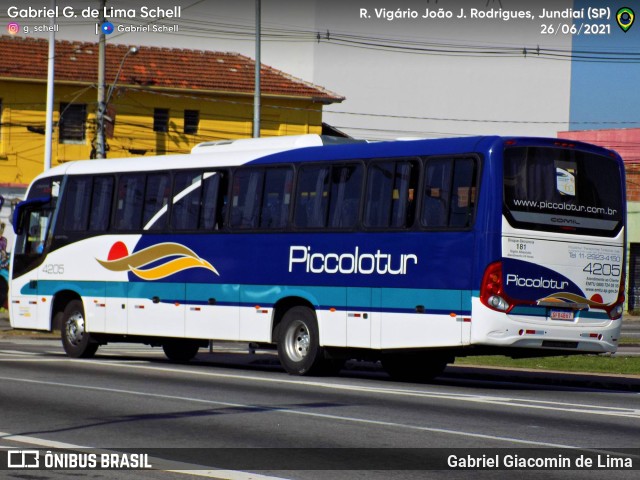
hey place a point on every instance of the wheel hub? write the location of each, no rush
(75, 329)
(298, 341)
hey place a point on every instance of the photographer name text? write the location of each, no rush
(91, 12)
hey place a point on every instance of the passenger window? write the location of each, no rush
(101, 201)
(156, 201)
(128, 215)
(199, 200)
(245, 199)
(276, 198)
(437, 189)
(77, 203)
(449, 192)
(346, 191)
(312, 197)
(186, 200)
(328, 196)
(214, 201)
(463, 193)
(391, 188)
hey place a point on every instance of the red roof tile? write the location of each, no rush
(151, 66)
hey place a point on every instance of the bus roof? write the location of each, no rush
(305, 148)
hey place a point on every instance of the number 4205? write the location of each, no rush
(53, 269)
(604, 269)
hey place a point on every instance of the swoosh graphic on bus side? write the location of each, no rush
(566, 297)
(187, 258)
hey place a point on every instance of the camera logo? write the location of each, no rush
(13, 28)
(23, 459)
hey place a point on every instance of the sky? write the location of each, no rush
(406, 69)
(603, 92)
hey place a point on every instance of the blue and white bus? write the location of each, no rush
(412, 252)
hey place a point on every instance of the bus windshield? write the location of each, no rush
(562, 190)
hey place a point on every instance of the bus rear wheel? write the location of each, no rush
(299, 348)
(76, 341)
(180, 350)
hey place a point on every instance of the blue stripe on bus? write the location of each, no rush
(341, 298)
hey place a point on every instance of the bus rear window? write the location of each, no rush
(562, 190)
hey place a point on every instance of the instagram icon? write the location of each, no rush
(13, 28)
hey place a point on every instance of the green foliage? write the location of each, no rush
(614, 365)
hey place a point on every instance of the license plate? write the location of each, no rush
(567, 315)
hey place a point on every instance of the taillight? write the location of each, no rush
(615, 311)
(492, 291)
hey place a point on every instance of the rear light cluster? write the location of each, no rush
(493, 296)
(615, 310)
(492, 291)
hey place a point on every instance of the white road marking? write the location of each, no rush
(290, 411)
(495, 400)
(18, 352)
(563, 407)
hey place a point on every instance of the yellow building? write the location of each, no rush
(164, 101)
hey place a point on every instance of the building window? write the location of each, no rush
(191, 121)
(161, 120)
(73, 121)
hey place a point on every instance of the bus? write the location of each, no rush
(408, 252)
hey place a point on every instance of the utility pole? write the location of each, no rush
(48, 134)
(100, 111)
(256, 97)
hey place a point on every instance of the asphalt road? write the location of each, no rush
(239, 412)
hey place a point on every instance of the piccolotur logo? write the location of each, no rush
(13, 28)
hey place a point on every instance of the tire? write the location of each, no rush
(299, 348)
(180, 350)
(76, 341)
(418, 368)
(4, 290)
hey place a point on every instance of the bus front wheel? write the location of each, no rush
(299, 349)
(76, 341)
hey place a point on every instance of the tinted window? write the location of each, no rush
(199, 200)
(186, 200)
(46, 187)
(449, 194)
(276, 198)
(346, 191)
(245, 198)
(101, 201)
(328, 196)
(77, 203)
(128, 215)
(391, 187)
(156, 200)
(214, 201)
(312, 197)
(562, 190)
